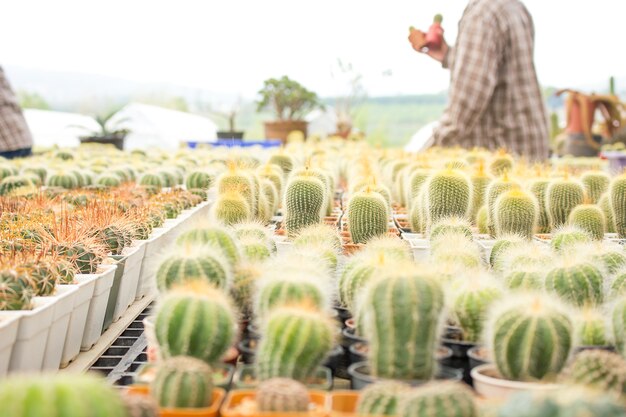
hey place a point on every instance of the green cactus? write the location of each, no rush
(530, 338)
(13, 183)
(480, 181)
(168, 177)
(612, 258)
(38, 170)
(255, 250)
(252, 229)
(577, 282)
(501, 164)
(274, 174)
(596, 183)
(304, 199)
(617, 195)
(381, 398)
(367, 216)
(86, 259)
(402, 323)
(195, 320)
(439, 399)
(7, 171)
(500, 247)
(183, 382)
(278, 289)
(376, 188)
(67, 395)
(199, 180)
(357, 273)
(389, 246)
(235, 180)
(598, 369)
(516, 212)
(295, 342)
(42, 277)
(454, 248)
(605, 205)
(15, 291)
(592, 329)
(416, 220)
(318, 234)
(470, 307)
(526, 280)
(108, 180)
(140, 405)
(231, 208)
(618, 284)
(566, 237)
(482, 220)
(562, 196)
(496, 188)
(245, 276)
(415, 182)
(152, 181)
(449, 194)
(590, 218)
(216, 236)
(282, 395)
(618, 318)
(538, 188)
(192, 263)
(269, 191)
(456, 225)
(283, 161)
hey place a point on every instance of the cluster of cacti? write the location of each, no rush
(183, 382)
(282, 395)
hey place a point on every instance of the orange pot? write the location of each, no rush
(343, 403)
(212, 411)
(281, 129)
(236, 397)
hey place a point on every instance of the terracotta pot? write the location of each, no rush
(281, 129)
(343, 403)
(212, 411)
(237, 397)
(490, 385)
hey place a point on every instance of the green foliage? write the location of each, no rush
(288, 99)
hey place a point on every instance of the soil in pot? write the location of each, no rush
(360, 376)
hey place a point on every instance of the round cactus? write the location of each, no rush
(183, 382)
(273, 174)
(416, 218)
(39, 171)
(199, 180)
(448, 194)
(231, 208)
(482, 220)
(42, 277)
(538, 187)
(304, 199)
(389, 246)
(516, 212)
(618, 284)
(617, 194)
(592, 329)
(381, 398)
(67, 395)
(577, 282)
(282, 160)
(269, 191)
(480, 181)
(6, 171)
(317, 234)
(367, 216)
(453, 248)
(416, 180)
(151, 180)
(530, 338)
(194, 263)
(599, 369)
(108, 180)
(357, 273)
(15, 291)
(562, 196)
(278, 289)
(254, 249)
(14, 182)
(496, 188)
(590, 218)
(85, 258)
(605, 205)
(501, 164)
(439, 399)
(62, 180)
(235, 180)
(618, 318)
(470, 307)
(596, 183)
(245, 276)
(527, 280)
(195, 320)
(456, 225)
(282, 395)
(500, 247)
(215, 236)
(402, 323)
(566, 237)
(295, 342)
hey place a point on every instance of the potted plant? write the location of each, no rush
(290, 102)
(109, 133)
(345, 103)
(230, 115)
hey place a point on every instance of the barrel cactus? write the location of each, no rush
(501, 163)
(15, 291)
(599, 369)
(562, 196)
(576, 281)
(231, 208)
(590, 218)
(295, 341)
(525, 279)
(618, 284)
(480, 181)
(538, 187)
(471, 304)
(239, 181)
(282, 395)
(390, 246)
(304, 199)
(605, 204)
(530, 338)
(596, 183)
(458, 225)
(357, 273)
(284, 161)
(216, 236)
(381, 398)
(254, 249)
(617, 193)
(151, 180)
(195, 320)
(273, 174)
(402, 323)
(482, 220)
(140, 405)
(568, 236)
(192, 263)
(516, 212)
(500, 247)
(183, 382)
(277, 289)
(592, 328)
(618, 321)
(448, 194)
(199, 179)
(496, 188)
(367, 216)
(439, 399)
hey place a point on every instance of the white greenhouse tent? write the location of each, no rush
(51, 128)
(422, 138)
(157, 127)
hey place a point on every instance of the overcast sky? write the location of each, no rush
(231, 46)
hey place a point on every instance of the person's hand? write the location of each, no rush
(417, 38)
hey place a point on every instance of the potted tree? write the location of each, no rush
(230, 114)
(290, 102)
(108, 133)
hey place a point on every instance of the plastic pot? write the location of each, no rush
(212, 411)
(343, 403)
(459, 358)
(97, 308)
(247, 348)
(114, 294)
(360, 376)
(9, 326)
(65, 296)
(245, 378)
(237, 397)
(86, 285)
(490, 385)
(476, 356)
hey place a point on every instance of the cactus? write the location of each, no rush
(216, 236)
(277, 289)
(494, 190)
(618, 321)
(194, 263)
(482, 220)
(456, 225)
(252, 229)
(453, 248)
(530, 338)
(183, 382)
(538, 188)
(42, 277)
(199, 180)
(273, 174)
(304, 198)
(516, 212)
(168, 177)
(67, 395)
(238, 181)
(416, 180)
(612, 258)
(152, 181)
(416, 220)
(618, 284)
(577, 282)
(501, 164)
(500, 247)
(377, 188)
(356, 274)
(245, 276)
(231, 208)
(617, 195)
(108, 180)
(282, 395)
(390, 246)
(381, 398)
(402, 323)
(470, 307)
(480, 181)
(195, 320)
(85, 258)
(596, 183)
(63, 180)
(255, 250)
(439, 399)
(318, 234)
(283, 161)
(6, 171)
(592, 329)
(562, 196)
(295, 342)
(605, 205)
(272, 197)
(598, 369)
(568, 236)
(15, 291)
(367, 216)
(590, 218)
(527, 280)
(140, 406)
(13, 183)
(449, 194)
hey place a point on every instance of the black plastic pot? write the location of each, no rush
(459, 359)
(115, 140)
(580, 349)
(230, 135)
(474, 358)
(247, 349)
(444, 354)
(344, 314)
(334, 359)
(253, 331)
(360, 376)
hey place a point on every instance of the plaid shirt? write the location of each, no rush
(14, 133)
(495, 100)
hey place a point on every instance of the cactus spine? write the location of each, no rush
(590, 218)
(617, 193)
(599, 369)
(282, 395)
(596, 183)
(402, 323)
(183, 382)
(453, 225)
(561, 198)
(367, 216)
(195, 263)
(566, 237)
(195, 320)
(530, 339)
(287, 289)
(482, 220)
(381, 398)
(439, 399)
(304, 198)
(501, 164)
(448, 194)
(591, 329)
(295, 342)
(283, 161)
(538, 187)
(516, 212)
(578, 283)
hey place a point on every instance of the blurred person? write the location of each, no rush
(494, 98)
(15, 138)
